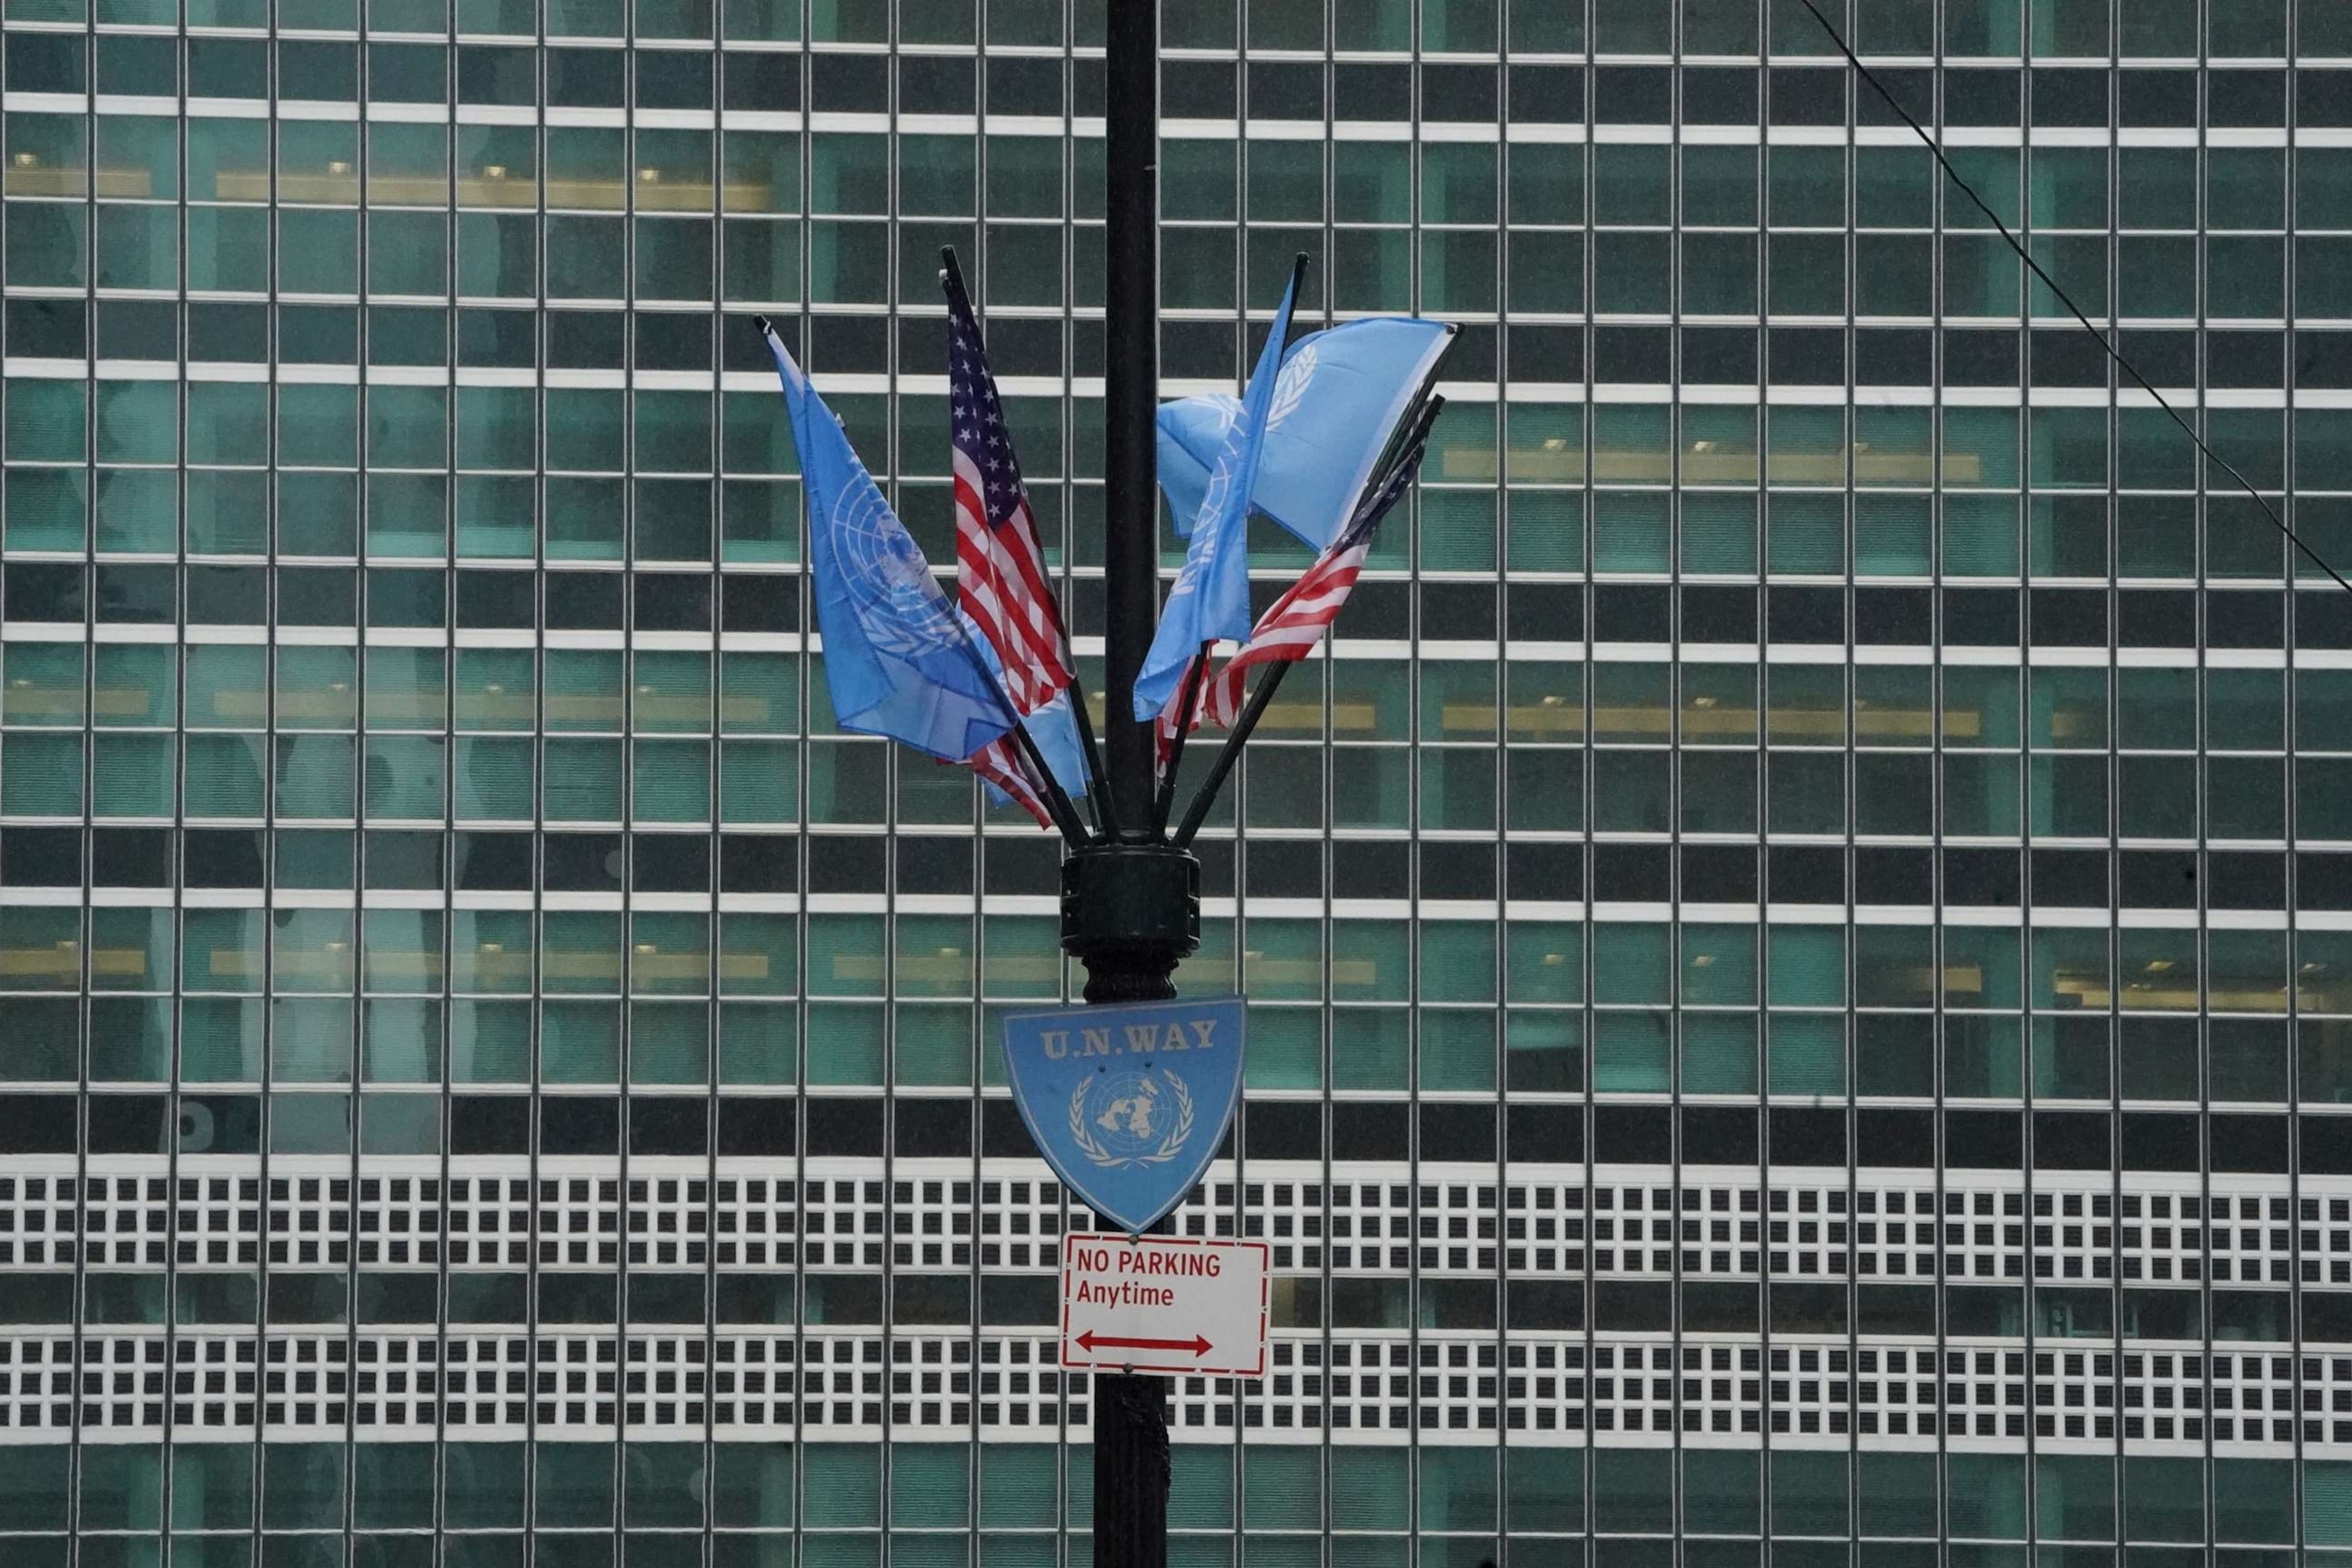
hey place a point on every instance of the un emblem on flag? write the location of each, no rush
(898, 603)
(1128, 1104)
(1290, 386)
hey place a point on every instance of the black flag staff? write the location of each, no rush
(1197, 670)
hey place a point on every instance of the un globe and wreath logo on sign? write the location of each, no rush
(1131, 1118)
(1128, 1104)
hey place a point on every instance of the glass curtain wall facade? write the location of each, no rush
(1801, 941)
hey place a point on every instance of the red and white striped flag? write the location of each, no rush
(1001, 764)
(1296, 623)
(1002, 582)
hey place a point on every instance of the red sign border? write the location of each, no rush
(1193, 1369)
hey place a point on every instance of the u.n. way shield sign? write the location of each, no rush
(1128, 1104)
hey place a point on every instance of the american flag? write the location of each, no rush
(1002, 581)
(1295, 623)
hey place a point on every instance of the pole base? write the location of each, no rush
(1130, 912)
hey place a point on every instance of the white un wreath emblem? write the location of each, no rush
(897, 602)
(1126, 1109)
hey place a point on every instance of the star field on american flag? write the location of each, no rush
(980, 423)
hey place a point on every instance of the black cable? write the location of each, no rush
(2073, 309)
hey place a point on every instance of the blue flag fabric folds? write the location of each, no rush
(1051, 726)
(1340, 397)
(899, 658)
(1055, 730)
(1211, 597)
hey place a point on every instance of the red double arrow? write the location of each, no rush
(1091, 1341)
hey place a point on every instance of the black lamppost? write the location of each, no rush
(1131, 890)
(1131, 900)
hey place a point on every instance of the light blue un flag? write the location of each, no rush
(1211, 598)
(898, 657)
(1055, 727)
(1336, 403)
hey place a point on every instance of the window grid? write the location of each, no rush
(258, 1060)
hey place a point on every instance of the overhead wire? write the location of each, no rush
(1936, 150)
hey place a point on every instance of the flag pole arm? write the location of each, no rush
(1229, 753)
(1193, 676)
(1057, 800)
(1167, 801)
(1097, 796)
(1415, 427)
(1409, 427)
